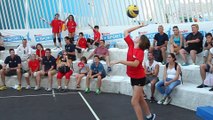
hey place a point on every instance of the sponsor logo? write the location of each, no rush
(43, 38)
(17, 38)
(113, 36)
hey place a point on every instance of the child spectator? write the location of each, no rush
(83, 70)
(207, 46)
(63, 67)
(176, 40)
(97, 36)
(171, 79)
(96, 71)
(33, 65)
(81, 44)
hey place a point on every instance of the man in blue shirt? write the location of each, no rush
(96, 71)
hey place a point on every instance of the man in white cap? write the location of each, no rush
(204, 68)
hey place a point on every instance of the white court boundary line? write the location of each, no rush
(37, 95)
(90, 108)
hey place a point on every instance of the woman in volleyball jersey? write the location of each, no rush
(71, 26)
(136, 72)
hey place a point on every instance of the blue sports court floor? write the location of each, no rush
(76, 105)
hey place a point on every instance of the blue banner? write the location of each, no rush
(113, 36)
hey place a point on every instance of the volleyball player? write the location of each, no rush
(136, 72)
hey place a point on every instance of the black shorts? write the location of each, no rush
(11, 73)
(103, 58)
(207, 68)
(78, 50)
(189, 48)
(72, 57)
(84, 74)
(91, 41)
(102, 76)
(138, 82)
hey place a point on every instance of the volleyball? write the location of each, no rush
(132, 11)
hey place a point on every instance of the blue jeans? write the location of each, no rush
(167, 89)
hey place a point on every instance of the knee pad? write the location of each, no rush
(54, 40)
(59, 40)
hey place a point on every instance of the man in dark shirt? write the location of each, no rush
(70, 49)
(14, 62)
(193, 45)
(48, 69)
(162, 40)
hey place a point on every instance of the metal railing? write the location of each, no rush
(26, 14)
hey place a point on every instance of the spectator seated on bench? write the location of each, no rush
(206, 71)
(14, 63)
(171, 79)
(103, 54)
(193, 45)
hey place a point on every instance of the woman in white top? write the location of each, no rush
(171, 78)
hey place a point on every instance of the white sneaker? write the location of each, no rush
(49, 89)
(161, 101)
(167, 101)
(27, 87)
(36, 88)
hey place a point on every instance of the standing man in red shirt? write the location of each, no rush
(71, 26)
(136, 72)
(56, 25)
(97, 36)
